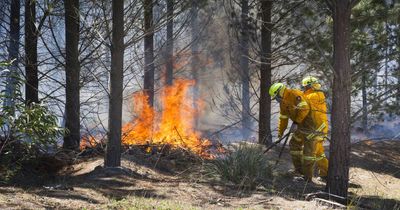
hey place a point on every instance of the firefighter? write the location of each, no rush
(314, 152)
(294, 106)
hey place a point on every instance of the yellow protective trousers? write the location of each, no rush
(296, 151)
(306, 153)
(322, 161)
(313, 153)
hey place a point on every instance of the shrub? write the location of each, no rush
(26, 131)
(245, 166)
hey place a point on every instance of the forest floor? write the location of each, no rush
(374, 184)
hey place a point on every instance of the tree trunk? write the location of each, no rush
(149, 50)
(113, 150)
(72, 69)
(364, 102)
(170, 43)
(338, 176)
(398, 66)
(13, 49)
(195, 65)
(244, 69)
(264, 135)
(398, 81)
(31, 67)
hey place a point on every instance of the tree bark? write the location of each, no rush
(13, 49)
(31, 67)
(338, 176)
(195, 64)
(113, 150)
(149, 50)
(170, 43)
(364, 102)
(72, 71)
(264, 135)
(244, 69)
(398, 66)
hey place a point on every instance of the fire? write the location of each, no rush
(87, 142)
(172, 126)
(140, 131)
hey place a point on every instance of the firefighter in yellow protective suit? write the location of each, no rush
(294, 106)
(313, 143)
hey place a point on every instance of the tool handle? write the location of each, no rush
(280, 153)
(277, 142)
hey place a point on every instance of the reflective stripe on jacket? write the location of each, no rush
(318, 110)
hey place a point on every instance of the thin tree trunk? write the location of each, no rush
(264, 135)
(13, 49)
(398, 82)
(387, 47)
(113, 150)
(338, 176)
(195, 65)
(170, 43)
(398, 65)
(149, 50)
(31, 67)
(244, 69)
(364, 102)
(72, 70)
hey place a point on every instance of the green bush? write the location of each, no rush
(26, 131)
(245, 166)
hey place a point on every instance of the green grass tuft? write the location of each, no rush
(246, 166)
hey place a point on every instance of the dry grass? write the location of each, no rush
(145, 187)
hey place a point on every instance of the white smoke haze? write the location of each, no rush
(387, 128)
(218, 83)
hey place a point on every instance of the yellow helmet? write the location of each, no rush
(309, 80)
(275, 89)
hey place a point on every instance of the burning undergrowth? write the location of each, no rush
(172, 127)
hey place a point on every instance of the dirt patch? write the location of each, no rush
(142, 185)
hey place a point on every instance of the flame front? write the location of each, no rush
(140, 131)
(87, 142)
(172, 126)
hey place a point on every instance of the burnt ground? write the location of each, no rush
(165, 183)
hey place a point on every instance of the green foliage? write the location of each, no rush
(27, 131)
(246, 166)
(6, 63)
(34, 122)
(374, 52)
(38, 124)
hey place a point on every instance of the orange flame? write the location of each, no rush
(140, 131)
(172, 126)
(87, 142)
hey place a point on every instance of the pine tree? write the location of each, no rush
(265, 72)
(72, 72)
(113, 150)
(31, 66)
(338, 175)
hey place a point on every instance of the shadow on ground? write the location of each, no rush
(377, 156)
(115, 183)
(376, 202)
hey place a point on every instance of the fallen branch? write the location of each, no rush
(183, 142)
(329, 203)
(325, 195)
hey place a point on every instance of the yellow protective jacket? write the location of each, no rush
(316, 99)
(293, 106)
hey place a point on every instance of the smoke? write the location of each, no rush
(388, 128)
